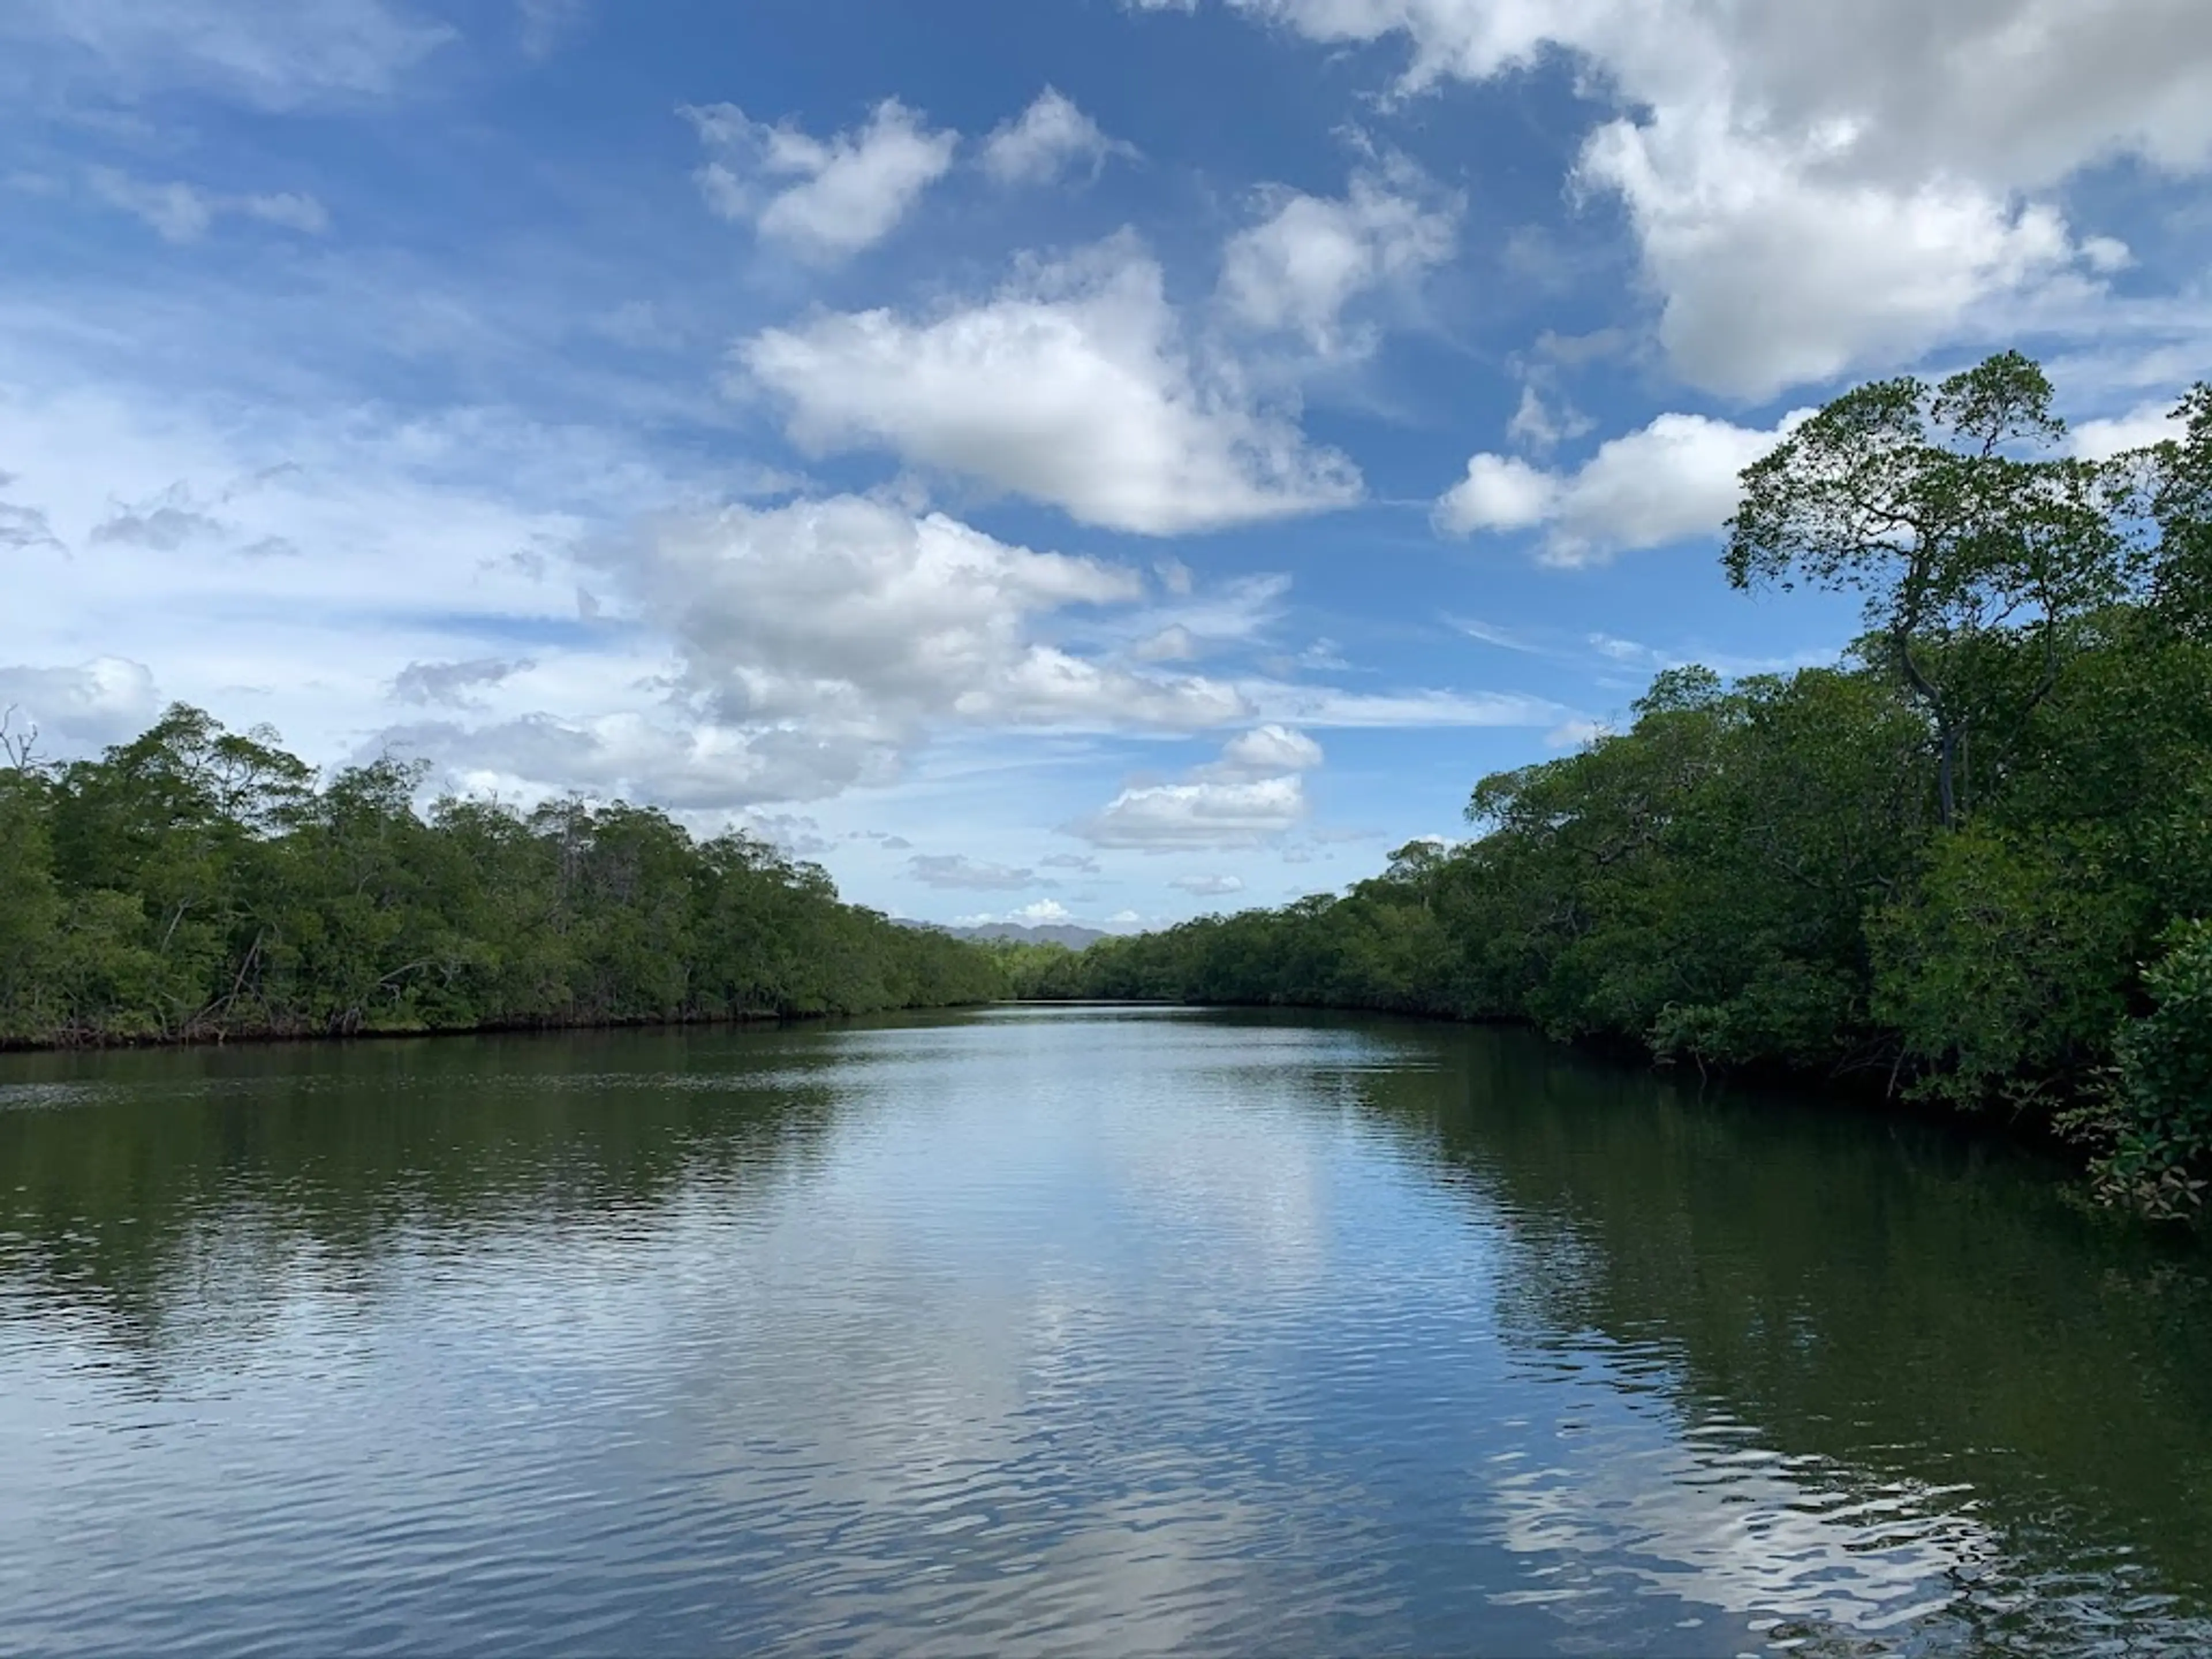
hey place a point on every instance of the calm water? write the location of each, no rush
(1051, 1331)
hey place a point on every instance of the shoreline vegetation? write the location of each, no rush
(202, 885)
(1968, 866)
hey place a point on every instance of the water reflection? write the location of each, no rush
(1049, 1332)
(1848, 1373)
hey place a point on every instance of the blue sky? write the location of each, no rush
(1055, 459)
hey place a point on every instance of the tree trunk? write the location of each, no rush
(1947, 751)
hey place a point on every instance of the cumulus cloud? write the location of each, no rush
(825, 199)
(1070, 386)
(104, 700)
(1204, 816)
(1267, 751)
(681, 763)
(1500, 492)
(2146, 424)
(1050, 138)
(1302, 266)
(1250, 796)
(844, 632)
(1667, 482)
(955, 870)
(1775, 272)
(1837, 181)
(1173, 643)
(179, 212)
(1041, 913)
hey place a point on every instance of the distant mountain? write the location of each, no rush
(1050, 932)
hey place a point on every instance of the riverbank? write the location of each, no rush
(262, 1037)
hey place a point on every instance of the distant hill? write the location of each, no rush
(1051, 932)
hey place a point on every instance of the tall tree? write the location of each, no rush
(1953, 511)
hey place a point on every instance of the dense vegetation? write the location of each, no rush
(198, 884)
(1971, 862)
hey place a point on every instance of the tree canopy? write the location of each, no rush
(197, 884)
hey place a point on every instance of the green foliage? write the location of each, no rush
(2158, 1114)
(1939, 864)
(2004, 967)
(1950, 508)
(195, 884)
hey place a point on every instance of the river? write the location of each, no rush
(1082, 1331)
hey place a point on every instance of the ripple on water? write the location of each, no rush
(1052, 1336)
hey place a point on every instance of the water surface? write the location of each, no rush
(1067, 1331)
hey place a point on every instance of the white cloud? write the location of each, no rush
(2147, 423)
(1228, 613)
(289, 210)
(737, 657)
(1209, 886)
(865, 628)
(1835, 182)
(1070, 386)
(1490, 634)
(184, 213)
(1267, 751)
(1541, 425)
(688, 764)
(404, 554)
(1250, 795)
(1311, 258)
(1049, 138)
(104, 700)
(1041, 913)
(273, 54)
(846, 193)
(957, 870)
(1500, 492)
(1775, 272)
(1667, 481)
(1203, 816)
(1173, 643)
(2107, 254)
